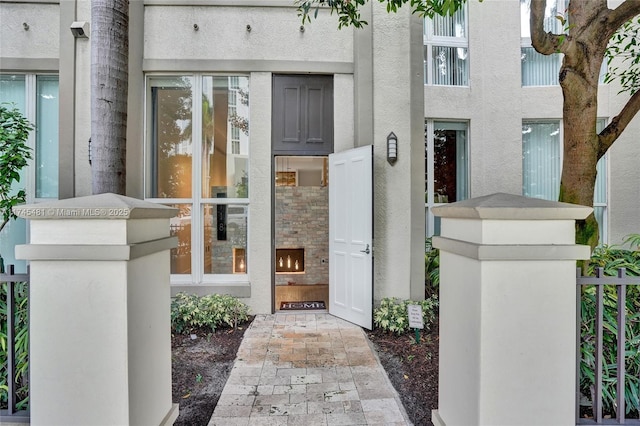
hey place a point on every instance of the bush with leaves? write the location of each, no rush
(190, 312)
(14, 156)
(392, 314)
(21, 339)
(610, 258)
(431, 269)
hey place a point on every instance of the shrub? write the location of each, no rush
(610, 258)
(22, 346)
(14, 156)
(392, 315)
(190, 312)
(431, 269)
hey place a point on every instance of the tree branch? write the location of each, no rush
(618, 124)
(544, 42)
(621, 14)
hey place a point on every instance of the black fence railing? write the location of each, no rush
(607, 339)
(14, 336)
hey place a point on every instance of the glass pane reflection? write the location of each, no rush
(171, 137)
(225, 136)
(180, 226)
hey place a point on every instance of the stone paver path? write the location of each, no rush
(307, 369)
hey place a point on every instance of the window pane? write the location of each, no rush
(551, 22)
(12, 90)
(225, 137)
(450, 162)
(450, 26)
(541, 160)
(46, 151)
(450, 66)
(171, 138)
(539, 70)
(180, 226)
(225, 239)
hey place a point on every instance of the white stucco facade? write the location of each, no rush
(378, 88)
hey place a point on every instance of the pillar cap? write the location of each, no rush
(512, 207)
(101, 206)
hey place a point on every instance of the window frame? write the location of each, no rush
(197, 201)
(430, 41)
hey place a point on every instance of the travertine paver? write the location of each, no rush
(307, 369)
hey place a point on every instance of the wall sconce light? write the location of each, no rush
(90, 152)
(392, 148)
(80, 29)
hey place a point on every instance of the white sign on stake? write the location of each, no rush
(415, 316)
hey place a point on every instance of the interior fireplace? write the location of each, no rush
(289, 261)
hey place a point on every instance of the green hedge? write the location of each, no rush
(190, 312)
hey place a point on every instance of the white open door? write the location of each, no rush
(351, 235)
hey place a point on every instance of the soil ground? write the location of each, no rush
(201, 366)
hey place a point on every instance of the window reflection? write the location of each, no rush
(225, 136)
(180, 226)
(171, 137)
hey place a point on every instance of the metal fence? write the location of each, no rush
(9, 282)
(606, 337)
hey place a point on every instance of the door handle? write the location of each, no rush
(366, 250)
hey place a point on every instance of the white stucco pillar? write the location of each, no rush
(508, 311)
(99, 311)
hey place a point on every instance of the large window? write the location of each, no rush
(197, 161)
(544, 70)
(446, 166)
(36, 96)
(542, 167)
(537, 69)
(446, 49)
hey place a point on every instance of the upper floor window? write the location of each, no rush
(537, 69)
(446, 49)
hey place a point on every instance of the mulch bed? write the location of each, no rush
(412, 369)
(200, 368)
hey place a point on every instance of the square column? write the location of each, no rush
(99, 311)
(508, 311)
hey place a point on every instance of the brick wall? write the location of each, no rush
(302, 221)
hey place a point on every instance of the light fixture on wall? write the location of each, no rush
(392, 148)
(80, 29)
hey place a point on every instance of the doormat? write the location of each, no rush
(301, 306)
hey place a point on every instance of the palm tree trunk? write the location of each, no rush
(109, 87)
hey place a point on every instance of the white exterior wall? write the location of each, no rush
(83, 104)
(39, 41)
(394, 106)
(275, 34)
(260, 214)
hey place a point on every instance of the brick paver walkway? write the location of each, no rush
(307, 369)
